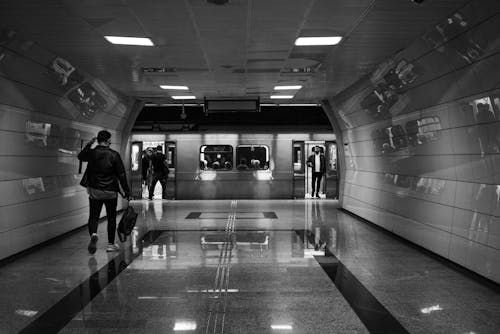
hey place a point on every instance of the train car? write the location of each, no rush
(236, 165)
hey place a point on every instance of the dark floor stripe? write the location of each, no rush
(224, 214)
(376, 318)
(61, 313)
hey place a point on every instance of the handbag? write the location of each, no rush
(127, 223)
(85, 179)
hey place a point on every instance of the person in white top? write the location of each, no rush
(317, 162)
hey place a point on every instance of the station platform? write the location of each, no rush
(243, 266)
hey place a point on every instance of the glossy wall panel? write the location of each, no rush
(48, 110)
(421, 139)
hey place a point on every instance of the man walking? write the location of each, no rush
(160, 172)
(104, 176)
(318, 164)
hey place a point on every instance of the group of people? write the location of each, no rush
(154, 170)
(105, 178)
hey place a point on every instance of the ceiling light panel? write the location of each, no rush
(328, 40)
(184, 97)
(122, 40)
(174, 87)
(287, 87)
(281, 96)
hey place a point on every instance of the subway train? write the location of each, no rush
(236, 165)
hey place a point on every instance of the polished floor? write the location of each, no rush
(243, 266)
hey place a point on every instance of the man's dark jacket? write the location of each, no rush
(105, 168)
(160, 166)
(311, 161)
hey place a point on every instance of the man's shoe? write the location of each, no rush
(93, 243)
(112, 248)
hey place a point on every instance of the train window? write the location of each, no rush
(216, 157)
(332, 157)
(170, 155)
(298, 157)
(252, 157)
(135, 157)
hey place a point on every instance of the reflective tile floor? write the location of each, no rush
(243, 266)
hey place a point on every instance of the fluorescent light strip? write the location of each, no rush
(428, 310)
(287, 87)
(281, 96)
(290, 104)
(122, 40)
(174, 87)
(331, 40)
(185, 325)
(282, 327)
(178, 104)
(184, 97)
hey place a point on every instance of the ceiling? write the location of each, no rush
(270, 118)
(240, 49)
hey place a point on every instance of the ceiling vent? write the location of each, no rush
(218, 2)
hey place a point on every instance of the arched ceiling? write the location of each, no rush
(241, 49)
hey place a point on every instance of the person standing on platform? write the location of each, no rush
(146, 170)
(104, 175)
(160, 172)
(318, 164)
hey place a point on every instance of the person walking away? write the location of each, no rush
(318, 164)
(105, 174)
(146, 170)
(160, 172)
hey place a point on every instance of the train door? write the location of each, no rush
(308, 151)
(331, 176)
(170, 153)
(136, 167)
(299, 163)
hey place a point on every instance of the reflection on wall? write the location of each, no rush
(33, 185)
(48, 109)
(422, 140)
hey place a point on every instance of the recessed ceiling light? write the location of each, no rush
(143, 41)
(290, 104)
(282, 327)
(287, 87)
(186, 325)
(281, 96)
(174, 87)
(430, 309)
(184, 97)
(329, 40)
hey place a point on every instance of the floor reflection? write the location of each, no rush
(201, 271)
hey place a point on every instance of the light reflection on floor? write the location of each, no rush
(252, 272)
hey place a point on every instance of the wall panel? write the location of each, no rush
(45, 118)
(422, 140)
